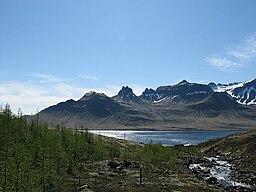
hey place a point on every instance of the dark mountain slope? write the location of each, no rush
(183, 92)
(182, 106)
(217, 101)
(246, 94)
(95, 110)
(98, 105)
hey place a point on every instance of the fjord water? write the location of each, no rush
(168, 138)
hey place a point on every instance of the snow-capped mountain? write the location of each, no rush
(150, 95)
(243, 92)
(225, 87)
(184, 105)
(184, 91)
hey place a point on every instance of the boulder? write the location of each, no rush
(211, 180)
(120, 167)
(113, 164)
(127, 164)
(205, 170)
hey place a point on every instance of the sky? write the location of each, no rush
(52, 51)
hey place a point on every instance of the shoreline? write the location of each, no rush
(173, 130)
(166, 138)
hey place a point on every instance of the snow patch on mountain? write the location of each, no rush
(243, 92)
(247, 96)
(160, 100)
(252, 102)
(197, 92)
(229, 87)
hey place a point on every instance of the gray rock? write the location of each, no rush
(127, 164)
(84, 187)
(120, 167)
(211, 180)
(205, 171)
(113, 164)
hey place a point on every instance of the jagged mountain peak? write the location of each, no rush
(149, 91)
(125, 91)
(149, 95)
(126, 94)
(155, 108)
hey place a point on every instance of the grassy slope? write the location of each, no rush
(163, 170)
(239, 149)
(36, 157)
(66, 160)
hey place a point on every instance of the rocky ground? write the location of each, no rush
(237, 151)
(130, 175)
(112, 176)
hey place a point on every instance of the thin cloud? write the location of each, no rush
(26, 96)
(222, 63)
(94, 78)
(246, 50)
(34, 96)
(237, 56)
(47, 78)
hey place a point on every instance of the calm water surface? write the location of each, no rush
(165, 137)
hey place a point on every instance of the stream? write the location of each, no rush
(217, 171)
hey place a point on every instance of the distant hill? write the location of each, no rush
(173, 107)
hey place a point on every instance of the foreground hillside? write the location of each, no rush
(35, 157)
(240, 150)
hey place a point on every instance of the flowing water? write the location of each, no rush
(219, 169)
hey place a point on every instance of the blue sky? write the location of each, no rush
(51, 51)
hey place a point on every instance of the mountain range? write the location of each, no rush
(183, 106)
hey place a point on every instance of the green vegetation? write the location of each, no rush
(38, 157)
(239, 148)
(165, 158)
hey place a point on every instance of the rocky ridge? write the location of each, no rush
(182, 106)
